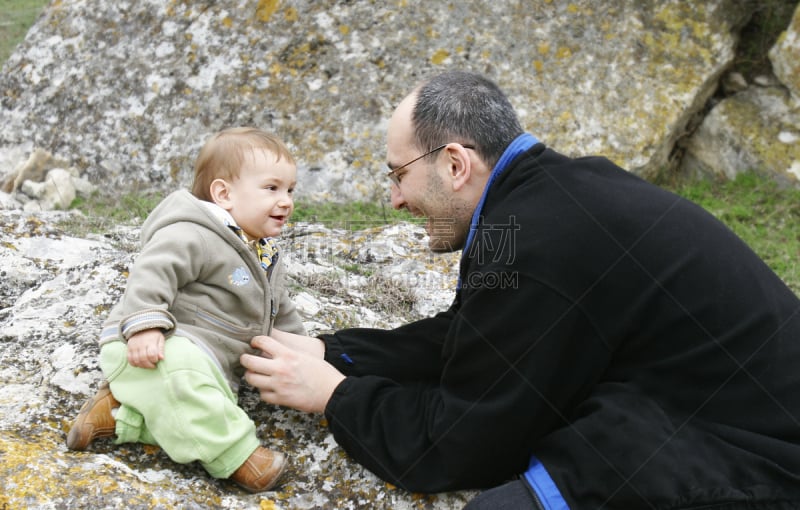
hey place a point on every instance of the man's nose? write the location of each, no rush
(398, 202)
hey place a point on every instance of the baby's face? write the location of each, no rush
(261, 197)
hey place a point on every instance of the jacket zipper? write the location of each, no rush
(537, 502)
(220, 324)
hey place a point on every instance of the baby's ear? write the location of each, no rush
(221, 193)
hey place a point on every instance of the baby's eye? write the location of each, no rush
(270, 187)
(291, 191)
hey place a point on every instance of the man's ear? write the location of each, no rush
(459, 165)
(221, 194)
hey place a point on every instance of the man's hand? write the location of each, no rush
(289, 377)
(146, 348)
(310, 345)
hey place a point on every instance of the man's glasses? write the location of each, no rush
(397, 174)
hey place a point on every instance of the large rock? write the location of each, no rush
(55, 290)
(785, 57)
(754, 130)
(758, 128)
(127, 91)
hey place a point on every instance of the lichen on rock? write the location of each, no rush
(57, 289)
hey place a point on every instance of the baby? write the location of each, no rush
(207, 280)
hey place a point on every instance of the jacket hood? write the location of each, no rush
(181, 206)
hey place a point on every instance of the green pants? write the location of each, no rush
(184, 405)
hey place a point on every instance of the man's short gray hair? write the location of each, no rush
(464, 107)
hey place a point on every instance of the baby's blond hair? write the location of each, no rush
(223, 155)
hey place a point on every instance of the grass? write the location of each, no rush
(100, 212)
(16, 16)
(349, 216)
(764, 214)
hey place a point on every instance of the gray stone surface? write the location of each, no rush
(126, 91)
(54, 292)
(758, 127)
(755, 128)
(785, 57)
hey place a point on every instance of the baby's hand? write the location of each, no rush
(146, 348)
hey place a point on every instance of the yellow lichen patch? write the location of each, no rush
(151, 449)
(266, 504)
(291, 14)
(344, 29)
(439, 56)
(761, 133)
(37, 472)
(538, 65)
(676, 19)
(563, 52)
(34, 225)
(33, 474)
(303, 55)
(227, 22)
(543, 48)
(266, 8)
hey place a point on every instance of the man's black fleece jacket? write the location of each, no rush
(613, 330)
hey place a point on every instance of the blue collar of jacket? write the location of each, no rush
(519, 145)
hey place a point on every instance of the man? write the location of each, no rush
(611, 343)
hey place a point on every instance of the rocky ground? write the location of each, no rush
(54, 292)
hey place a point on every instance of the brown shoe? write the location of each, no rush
(260, 471)
(94, 420)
